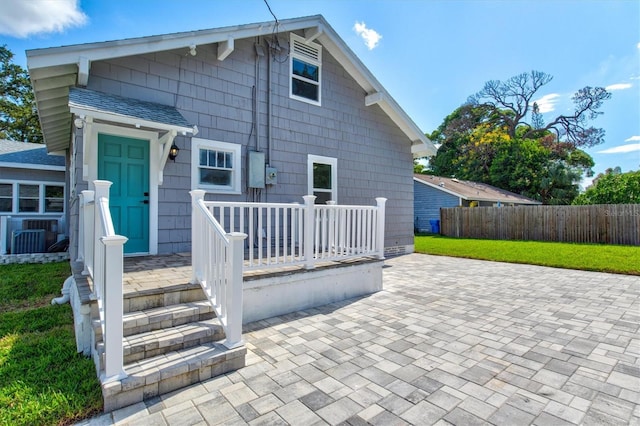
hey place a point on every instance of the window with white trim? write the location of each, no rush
(305, 66)
(215, 166)
(31, 197)
(6, 198)
(322, 178)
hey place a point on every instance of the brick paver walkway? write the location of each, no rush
(447, 341)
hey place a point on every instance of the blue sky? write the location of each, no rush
(429, 55)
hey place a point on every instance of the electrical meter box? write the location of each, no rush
(256, 169)
(271, 176)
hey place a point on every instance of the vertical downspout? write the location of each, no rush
(269, 107)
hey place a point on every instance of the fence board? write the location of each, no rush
(602, 224)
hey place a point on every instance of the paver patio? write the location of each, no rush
(448, 341)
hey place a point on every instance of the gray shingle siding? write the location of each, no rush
(427, 202)
(374, 155)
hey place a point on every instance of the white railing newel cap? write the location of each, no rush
(113, 240)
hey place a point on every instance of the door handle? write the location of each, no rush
(145, 201)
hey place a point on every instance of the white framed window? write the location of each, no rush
(6, 197)
(215, 166)
(322, 178)
(31, 197)
(305, 67)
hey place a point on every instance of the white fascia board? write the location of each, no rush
(32, 166)
(123, 119)
(40, 58)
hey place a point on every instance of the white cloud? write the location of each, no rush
(638, 45)
(622, 149)
(370, 37)
(20, 18)
(619, 86)
(547, 103)
(632, 138)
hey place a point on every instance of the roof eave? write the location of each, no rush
(58, 68)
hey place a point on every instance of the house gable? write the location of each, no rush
(54, 70)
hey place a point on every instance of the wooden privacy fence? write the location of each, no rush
(604, 223)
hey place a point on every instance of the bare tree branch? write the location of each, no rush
(511, 102)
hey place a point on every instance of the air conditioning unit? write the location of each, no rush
(50, 227)
(28, 241)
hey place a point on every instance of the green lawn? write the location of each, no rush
(587, 257)
(43, 380)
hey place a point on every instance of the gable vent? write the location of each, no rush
(306, 50)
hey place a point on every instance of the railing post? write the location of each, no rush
(307, 230)
(86, 227)
(102, 191)
(112, 303)
(196, 235)
(234, 306)
(80, 253)
(381, 202)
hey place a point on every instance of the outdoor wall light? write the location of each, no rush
(173, 152)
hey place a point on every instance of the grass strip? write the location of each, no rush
(587, 257)
(43, 380)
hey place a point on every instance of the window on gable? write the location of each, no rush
(215, 166)
(306, 62)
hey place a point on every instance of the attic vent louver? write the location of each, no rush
(306, 50)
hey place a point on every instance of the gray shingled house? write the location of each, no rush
(32, 198)
(278, 99)
(167, 130)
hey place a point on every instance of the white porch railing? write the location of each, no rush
(279, 234)
(102, 252)
(217, 266)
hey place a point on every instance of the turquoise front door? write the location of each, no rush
(125, 162)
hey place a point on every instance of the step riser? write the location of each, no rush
(141, 302)
(146, 322)
(151, 348)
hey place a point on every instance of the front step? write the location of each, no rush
(165, 373)
(158, 342)
(166, 316)
(171, 340)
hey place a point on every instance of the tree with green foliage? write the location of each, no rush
(612, 187)
(18, 114)
(489, 140)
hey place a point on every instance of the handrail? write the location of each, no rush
(102, 254)
(217, 266)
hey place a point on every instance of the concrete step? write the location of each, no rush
(166, 317)
(164, 373)
(157, 342)
(159, 297)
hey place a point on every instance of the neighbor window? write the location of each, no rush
(306, 61)
(31, 197)
(322, 178)
(6, 197)
(215, 166)
(53, 199)
(28, 198)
